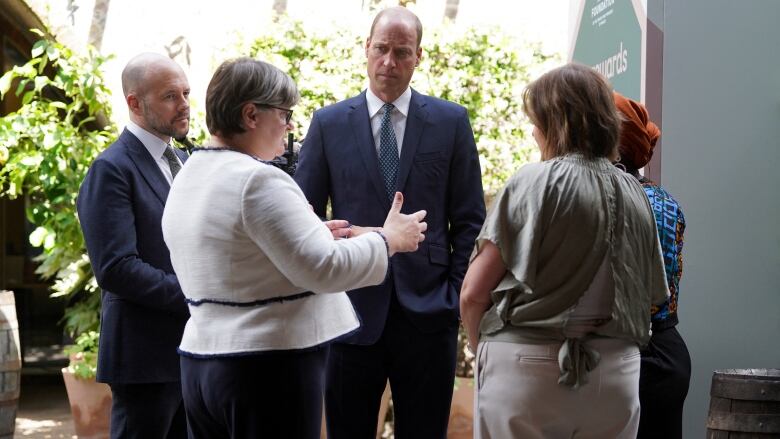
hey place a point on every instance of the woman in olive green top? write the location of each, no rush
(565, 268)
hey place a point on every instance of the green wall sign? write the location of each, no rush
(609, 38)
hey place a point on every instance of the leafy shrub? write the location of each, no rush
(46, 148)
(83, 355)
(485, 71)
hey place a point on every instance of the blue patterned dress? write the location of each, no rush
(666, 364)
(670, 221)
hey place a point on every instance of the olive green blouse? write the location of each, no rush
(553, 223)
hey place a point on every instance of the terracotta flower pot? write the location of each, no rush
(90, 404)
(461, 424)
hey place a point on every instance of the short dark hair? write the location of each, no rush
(239, 81)
(574, 108)
(399, 10)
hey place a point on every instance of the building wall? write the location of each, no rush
(721, 119)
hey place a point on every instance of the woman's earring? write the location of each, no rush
(619, 165)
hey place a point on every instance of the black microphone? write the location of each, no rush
(288, 162)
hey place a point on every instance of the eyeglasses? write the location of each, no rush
(287, 112)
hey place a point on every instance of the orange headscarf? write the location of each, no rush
(638, 135)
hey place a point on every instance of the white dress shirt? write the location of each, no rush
(156, 148)
(398, 116)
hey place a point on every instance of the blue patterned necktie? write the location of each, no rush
(388, 152)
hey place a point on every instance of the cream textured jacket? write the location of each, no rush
(259, 270)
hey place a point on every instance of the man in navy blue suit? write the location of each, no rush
(120, 206)
(357, 153)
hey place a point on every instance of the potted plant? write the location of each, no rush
(461, 424)
(90, 401)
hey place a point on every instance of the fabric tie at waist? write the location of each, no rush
(575, 360)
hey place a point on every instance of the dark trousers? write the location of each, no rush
(271, 395)
(663, 385)
(147, 411)
(421, 370)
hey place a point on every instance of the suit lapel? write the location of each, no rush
(183, 156)
(415, 121)
(361, 127)
(146, 165)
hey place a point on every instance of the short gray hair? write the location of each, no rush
(239, 81)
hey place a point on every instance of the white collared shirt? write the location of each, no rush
(156, 148)
(398, 117)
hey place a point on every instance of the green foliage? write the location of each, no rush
(83, 355)
(46, 148)
(465, 359)
(198, 133)
(328, 67)
(83, 315)
(485, 71)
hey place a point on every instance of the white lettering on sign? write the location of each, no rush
(615, 64)
(600, 7)
(601, 11)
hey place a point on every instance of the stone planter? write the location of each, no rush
(90, 404)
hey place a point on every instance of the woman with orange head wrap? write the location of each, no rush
(666, 365)
(638, 135)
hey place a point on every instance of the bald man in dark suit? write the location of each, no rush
(120, 205)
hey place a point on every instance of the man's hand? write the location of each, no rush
(403, 232)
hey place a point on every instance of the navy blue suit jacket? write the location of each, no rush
(120, 206)
(439, 172)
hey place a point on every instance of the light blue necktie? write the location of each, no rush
(388, 152)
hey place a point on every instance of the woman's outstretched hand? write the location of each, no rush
(339, 229)
(403, 232)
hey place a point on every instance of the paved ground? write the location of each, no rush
(43, 411)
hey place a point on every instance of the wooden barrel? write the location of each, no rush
(10, 364)
(744, 403)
